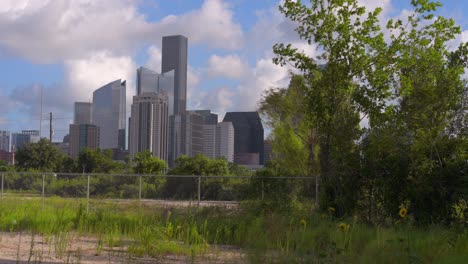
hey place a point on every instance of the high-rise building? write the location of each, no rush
(174, 57)
(225, 141)
(192, 143)
(83, 113)
(218, 141)
(83, 136)
(109, 114)
(210, 118)
(149, 124)
(248, 137)
(18, 140)
(149, 81)
(187, 133)
(5, 140)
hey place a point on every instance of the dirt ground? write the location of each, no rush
(26, 248)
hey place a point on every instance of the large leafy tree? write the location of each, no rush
(408, 87)
(351, 80)
(41, 156)
(146, 163)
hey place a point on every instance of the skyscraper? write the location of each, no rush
(5, 141)
(18, 140)
(109, 114)
(149, 124)
(210, 118)
(83, 113)
(225, 141)
(149, 81)
(248, 137)
(83, 136)
(174, 57)
(218, 141)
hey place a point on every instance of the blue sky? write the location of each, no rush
(71, 48)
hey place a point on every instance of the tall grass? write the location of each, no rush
(294, 236)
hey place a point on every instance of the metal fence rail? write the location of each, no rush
(140, 177)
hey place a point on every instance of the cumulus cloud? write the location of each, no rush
(212, 24)
(230, 66)
(53, 31)
(154, 58)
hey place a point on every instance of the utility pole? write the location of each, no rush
(40, 119)
(51, 131)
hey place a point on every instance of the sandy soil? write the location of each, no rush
(26, 248)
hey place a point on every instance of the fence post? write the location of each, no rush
(87, 197)
(199, 190)
(139, 193)
(3, 175)
(316, 192)
(43, 190)
(263, 189)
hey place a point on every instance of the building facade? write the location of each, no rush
(5, 137)
(83, 113)
(248, 137)
(83, 136)
(218, 141)
(18, 140)
(149, 81)
(108, 113)
(149, 124)
(174, 57)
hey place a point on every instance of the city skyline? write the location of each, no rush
(229, 63)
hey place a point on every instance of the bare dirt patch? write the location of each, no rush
(70, 248)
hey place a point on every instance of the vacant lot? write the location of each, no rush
(123, 231)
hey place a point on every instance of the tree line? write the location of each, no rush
(378, 115)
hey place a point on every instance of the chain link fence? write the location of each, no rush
(181, 190)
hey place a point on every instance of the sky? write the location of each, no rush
(69, 48)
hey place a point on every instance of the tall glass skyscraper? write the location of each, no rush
(5, 140)
(174, 57)
(83, 113)
(109, 114)
(248, 137)
(149, 81)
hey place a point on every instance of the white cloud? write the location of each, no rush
(53, 31)
(212, 24)
(230, 66)
(154, 58)
(83, 76)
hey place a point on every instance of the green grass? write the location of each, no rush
(298, 236)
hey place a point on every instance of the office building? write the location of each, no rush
(248, 137)
(149, 81)
(174, 57)
(18, 140)
(82, 113)
(209, 118)
(108, 114)
(218, 141)
(192, 143)
(149, 124)
(5, 140)
(83, 136)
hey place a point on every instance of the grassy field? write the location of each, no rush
(260, 234)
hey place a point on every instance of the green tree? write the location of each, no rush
(41, 156)
(97, 161)
(430, 92)
(199, 165)
(352, 81)
(146, 163)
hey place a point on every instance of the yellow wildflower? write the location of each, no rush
(343, 227)
(331, 210)
(403, 211)
(303, 223)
